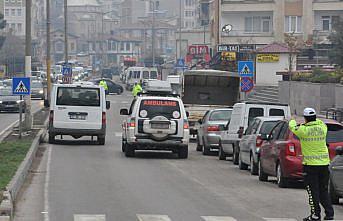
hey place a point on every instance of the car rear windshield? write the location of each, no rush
(154, 107)
(221, 115)
(68, 96)
(153, 75)
(267, 127)
(335, 133)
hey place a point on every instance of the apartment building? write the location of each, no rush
(262, 22)
(14, 14)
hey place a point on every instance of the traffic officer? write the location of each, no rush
(316, 160)
(103, 84)
(136, 89)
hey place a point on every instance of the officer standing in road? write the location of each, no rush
(136, 89)
(316, 160)
(103, 84)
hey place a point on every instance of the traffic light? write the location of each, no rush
(2, 22)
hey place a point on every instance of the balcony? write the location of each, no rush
(247, 5)
(327, 5)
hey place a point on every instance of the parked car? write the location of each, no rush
(242, 116)
(37, 90)
(211, 124)
(280, 153)
(78, 110)
(336, 176)
(250, 144)
(113, 88)
(10, 102)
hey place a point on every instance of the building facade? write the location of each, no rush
(14, 14)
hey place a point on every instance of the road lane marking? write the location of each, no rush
(118, 134)
(279, 219)
(46, 186)
(145, 217)
(7, 128)
(81, 217)
(218, 218)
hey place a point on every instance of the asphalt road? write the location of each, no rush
(6, 119)
(81, 181)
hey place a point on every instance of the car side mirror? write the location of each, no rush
(46, 103)
(200, 121)
(339, 151)
(264, 137)
(108, 105)
(187, 113)
(124, 112)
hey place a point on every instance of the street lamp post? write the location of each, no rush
(66, 31)
(28, 53)
(153, 33)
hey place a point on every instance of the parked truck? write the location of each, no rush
(208, 89)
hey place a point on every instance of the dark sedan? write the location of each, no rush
(113, 88)
(37, 90)
(9, 102)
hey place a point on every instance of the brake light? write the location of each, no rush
(259, 141)
(103, 118)
(185, 124)
(240, 132)
(290, 149)
(213, 128)
(132, 123)
(51, 117)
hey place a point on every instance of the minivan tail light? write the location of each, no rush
(132, 123)
(240, 132)
(290, 149)
(185, 124)
(103, 118)
(259, 141)
(213, 128)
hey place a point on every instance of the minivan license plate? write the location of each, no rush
(159, 126)
(78, 117)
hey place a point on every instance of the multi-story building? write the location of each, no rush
(14, 14)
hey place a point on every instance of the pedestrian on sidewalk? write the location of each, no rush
(312, 135)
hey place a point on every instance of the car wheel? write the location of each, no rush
(101, 140)
(205, 149)
(235, 157)
(52, 139)
(199, 147)
(253, 166)
(280, 179)
(333, 194)
(262, 176)
(123, 146)
(241, 165)
(183, 152)
(129, 151)
(221, 154)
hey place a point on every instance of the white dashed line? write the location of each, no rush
(143, 217)
(218, 218)
(80, 217)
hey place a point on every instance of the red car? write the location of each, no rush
(280, 154)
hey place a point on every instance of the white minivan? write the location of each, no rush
(137, 74)
(242, 116)
(78, 110)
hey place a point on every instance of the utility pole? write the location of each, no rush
(102, 41)
(180, 29)
(66, 31)
(153, 33)
(28, 52)
(48, 47)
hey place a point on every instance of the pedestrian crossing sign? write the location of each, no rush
(246, 68)
(21, 86)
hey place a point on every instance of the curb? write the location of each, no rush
(13, 188)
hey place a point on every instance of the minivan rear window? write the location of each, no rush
(69, 96)
(153, 107)
(153, 75)
(276, 112)
(221, 115)
(255, 112)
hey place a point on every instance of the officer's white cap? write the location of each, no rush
(308, 112)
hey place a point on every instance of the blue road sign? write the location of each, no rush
(247, 84)
(21, 86)
(180, 63)
(246, 68)
(67, 70)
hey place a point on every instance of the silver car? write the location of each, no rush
(213, 122)
(336, 176)
(251, 141)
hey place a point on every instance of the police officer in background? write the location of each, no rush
(103, 84)
(316, 160)
(137, 88)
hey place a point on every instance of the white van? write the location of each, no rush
(78, 110)
(242, 116)
(137, 74)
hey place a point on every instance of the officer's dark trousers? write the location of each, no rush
(316, 182)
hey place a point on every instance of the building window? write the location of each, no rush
(20, 27)
(128, 47)
(13, 1)
(293, 24)
(122, 46)
(329, 22)
(7, 12)
(13, 27)
(19, 11)
(72, 46)
(6, 0)
(59, 47)
(257, 24)
(12, 12)
(19, 1)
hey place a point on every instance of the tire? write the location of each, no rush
(282, 182)
(205, 149)
(129, 151)
(262, 176)
(52, 139)
(333, 195)
(123, 146)
(199, 147)
(241, 165)
(183, 152)
(253, 166)
(235, 157)
(101, 140)
(221, 154)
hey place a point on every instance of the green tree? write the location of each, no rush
(2, 22)
(336, 38)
